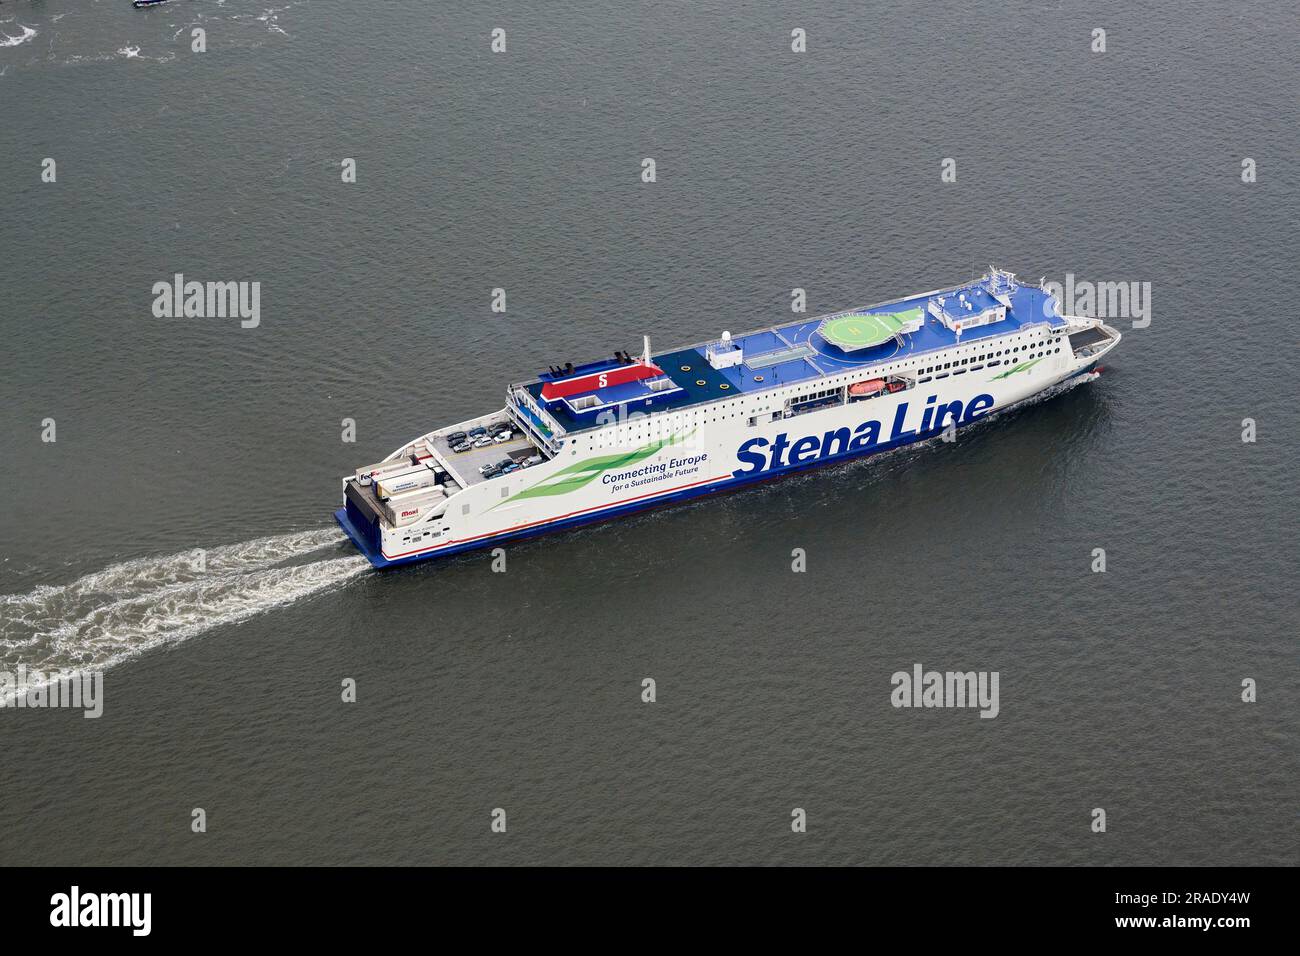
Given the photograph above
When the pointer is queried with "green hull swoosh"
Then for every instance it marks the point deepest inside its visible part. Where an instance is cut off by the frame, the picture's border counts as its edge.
(1022, 367)
(582, 473)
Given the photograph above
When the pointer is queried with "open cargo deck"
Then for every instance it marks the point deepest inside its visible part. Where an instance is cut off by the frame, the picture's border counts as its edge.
(464, 466)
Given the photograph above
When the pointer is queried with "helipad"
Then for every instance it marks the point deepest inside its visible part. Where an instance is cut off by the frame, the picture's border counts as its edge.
(862, 330)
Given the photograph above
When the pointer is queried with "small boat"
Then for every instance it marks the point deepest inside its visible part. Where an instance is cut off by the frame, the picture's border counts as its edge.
(867, 388)
(138, 4)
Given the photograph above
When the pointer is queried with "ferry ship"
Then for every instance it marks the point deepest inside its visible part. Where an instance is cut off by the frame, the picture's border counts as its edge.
(589, 442)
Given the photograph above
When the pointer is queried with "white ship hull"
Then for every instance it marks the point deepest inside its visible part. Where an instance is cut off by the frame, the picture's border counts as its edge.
(637, 462)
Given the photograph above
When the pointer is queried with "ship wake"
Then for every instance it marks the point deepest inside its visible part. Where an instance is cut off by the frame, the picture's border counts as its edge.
(122, 611)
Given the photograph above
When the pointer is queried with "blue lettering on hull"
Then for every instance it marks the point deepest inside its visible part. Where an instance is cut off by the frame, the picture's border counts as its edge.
(759, 455)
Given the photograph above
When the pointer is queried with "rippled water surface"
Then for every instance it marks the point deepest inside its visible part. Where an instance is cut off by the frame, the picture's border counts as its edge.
(178, 531)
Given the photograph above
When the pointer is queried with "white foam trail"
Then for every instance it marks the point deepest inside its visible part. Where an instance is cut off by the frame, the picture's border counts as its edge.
(111, 615)
(23, 37)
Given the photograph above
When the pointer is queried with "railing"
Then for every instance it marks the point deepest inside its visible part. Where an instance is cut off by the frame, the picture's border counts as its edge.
(531, 420)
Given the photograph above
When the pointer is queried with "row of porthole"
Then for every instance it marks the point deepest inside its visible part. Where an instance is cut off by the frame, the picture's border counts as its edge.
(977, 358)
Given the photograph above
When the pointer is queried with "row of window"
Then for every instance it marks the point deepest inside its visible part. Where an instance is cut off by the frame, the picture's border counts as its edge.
(976, 368)
(971, 360)
(813, 396)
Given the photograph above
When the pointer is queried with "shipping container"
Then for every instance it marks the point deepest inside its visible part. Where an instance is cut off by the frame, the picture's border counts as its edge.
(395, 466)
(408, 508)
(400, 484)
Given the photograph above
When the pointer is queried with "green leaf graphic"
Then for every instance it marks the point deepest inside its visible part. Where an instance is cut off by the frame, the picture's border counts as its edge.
(584, 472)
(1023, 366)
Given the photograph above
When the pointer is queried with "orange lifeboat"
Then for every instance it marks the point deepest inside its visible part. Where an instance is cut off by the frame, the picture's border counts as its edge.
(869, 387)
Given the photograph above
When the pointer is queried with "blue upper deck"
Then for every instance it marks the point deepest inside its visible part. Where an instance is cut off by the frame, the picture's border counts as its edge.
(796, 352)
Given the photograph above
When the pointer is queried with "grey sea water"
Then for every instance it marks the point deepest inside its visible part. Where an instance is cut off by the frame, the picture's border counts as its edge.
(522, 690)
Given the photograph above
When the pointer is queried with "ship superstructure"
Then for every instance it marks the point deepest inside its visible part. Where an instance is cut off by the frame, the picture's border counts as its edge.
(588, 442)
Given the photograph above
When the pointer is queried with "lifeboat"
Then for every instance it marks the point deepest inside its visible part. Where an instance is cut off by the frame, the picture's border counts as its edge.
(869, 387)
